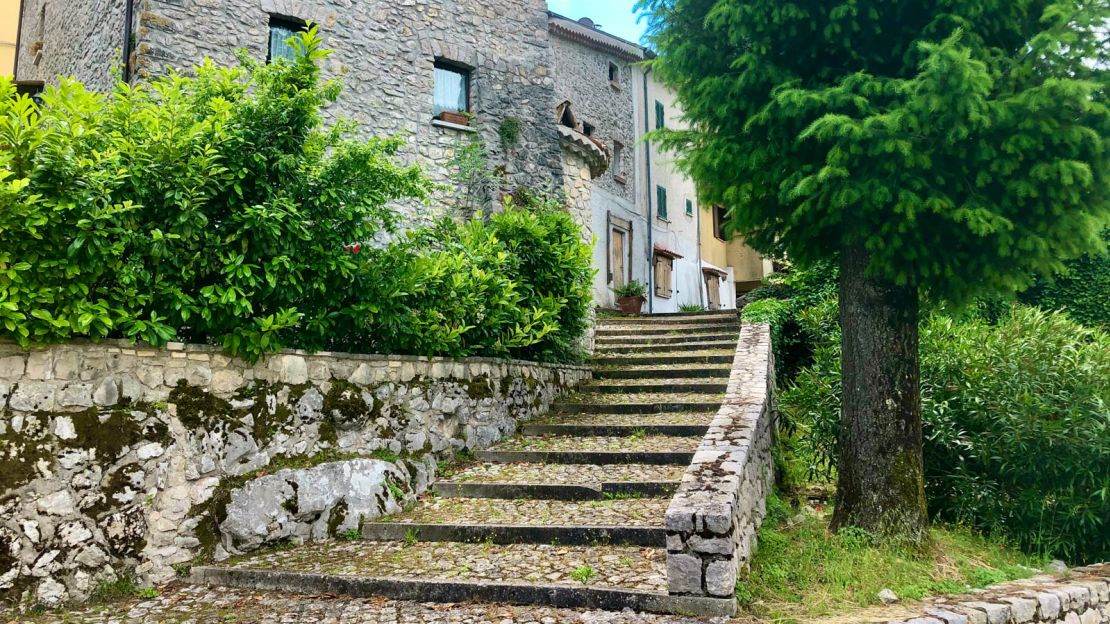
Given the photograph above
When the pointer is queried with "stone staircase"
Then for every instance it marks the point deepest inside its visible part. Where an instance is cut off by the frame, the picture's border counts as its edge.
(568, 513)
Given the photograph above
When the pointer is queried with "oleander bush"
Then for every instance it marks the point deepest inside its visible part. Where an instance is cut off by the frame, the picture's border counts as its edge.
(1017, 425)
(219, 208)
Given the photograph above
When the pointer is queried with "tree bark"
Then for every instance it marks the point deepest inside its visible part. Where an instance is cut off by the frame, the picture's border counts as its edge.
(881, 484)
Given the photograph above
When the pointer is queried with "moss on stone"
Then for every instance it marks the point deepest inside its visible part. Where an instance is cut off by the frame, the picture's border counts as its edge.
(110, 433)
(338, 515)
(200, 409)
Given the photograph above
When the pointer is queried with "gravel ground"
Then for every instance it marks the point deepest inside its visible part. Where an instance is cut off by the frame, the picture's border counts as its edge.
(594, 398)
(187, 604)
(645, 443)
(628, 567)
(630, 512)
(567, 474)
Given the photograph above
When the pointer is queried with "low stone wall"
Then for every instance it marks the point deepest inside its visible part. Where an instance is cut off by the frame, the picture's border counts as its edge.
(117, 459)
(1080, 597)
(718, 508)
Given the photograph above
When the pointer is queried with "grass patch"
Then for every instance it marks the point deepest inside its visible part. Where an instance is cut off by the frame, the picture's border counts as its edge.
(802, 570)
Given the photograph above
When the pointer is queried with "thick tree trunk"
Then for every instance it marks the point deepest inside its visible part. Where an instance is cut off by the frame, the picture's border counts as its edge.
(881, 475)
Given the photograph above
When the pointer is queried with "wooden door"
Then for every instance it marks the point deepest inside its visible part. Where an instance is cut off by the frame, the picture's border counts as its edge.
(616, 258)
(713, 290)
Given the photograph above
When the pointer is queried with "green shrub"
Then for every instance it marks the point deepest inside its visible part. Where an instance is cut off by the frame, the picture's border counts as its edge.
(220, 209)
(1083, 291)
(781, 301)
(210, 209)
(1017, 427)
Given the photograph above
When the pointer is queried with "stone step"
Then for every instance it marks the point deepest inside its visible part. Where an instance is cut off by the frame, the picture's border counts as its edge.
(665, 348)
(657, 385)
(680, 458)
(639, 403)
(677, 337)
(605, 429)
(581, 577)
(612, 331)
(676, 317)
(628, 420)
(719, 356)
(620, 520)
(450, 489)
(674, 371)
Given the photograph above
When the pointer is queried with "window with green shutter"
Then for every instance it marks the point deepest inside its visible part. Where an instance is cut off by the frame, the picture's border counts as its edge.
(661, 202)
(660, 115)
(689, 208)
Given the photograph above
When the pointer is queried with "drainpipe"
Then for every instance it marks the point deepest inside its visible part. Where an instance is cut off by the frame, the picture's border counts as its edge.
(700, 275)
(18, 40)
(650, 208)
(128, 17)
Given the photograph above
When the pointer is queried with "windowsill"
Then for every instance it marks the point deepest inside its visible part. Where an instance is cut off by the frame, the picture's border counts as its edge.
(439, 123)
(689, 215)
(616, 85)
(619, 179)
(663, 219)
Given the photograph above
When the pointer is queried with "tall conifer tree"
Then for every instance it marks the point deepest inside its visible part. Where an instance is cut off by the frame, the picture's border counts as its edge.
(938, 149)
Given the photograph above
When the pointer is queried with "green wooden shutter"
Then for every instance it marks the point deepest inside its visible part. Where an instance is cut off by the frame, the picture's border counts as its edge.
(661, 202)
(660, 115)
(689, 208)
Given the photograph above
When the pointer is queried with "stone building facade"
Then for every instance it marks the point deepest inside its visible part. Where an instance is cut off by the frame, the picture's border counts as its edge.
(386, 53)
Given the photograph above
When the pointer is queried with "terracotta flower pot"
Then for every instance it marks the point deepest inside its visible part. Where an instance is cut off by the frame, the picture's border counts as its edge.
(459, 119)
(631, 305)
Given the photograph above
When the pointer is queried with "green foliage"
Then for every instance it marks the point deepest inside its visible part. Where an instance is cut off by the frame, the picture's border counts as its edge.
(509, 131)
(517, 285)
(963, 144)
(219, 209)
(782, 302)
(1083, 290)
(633, 288)
(802, 571)
(691, 307)
(472, 176)
(207, 209)
(1017, 427)
(584, 574)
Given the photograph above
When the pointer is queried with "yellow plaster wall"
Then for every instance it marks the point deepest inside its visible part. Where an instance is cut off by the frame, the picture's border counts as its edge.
(9, 26)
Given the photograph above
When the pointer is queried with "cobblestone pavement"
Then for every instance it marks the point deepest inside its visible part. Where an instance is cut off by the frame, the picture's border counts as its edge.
(628, 567)
(629, 512)
(572, 474)
(630, 420)
(184, 604)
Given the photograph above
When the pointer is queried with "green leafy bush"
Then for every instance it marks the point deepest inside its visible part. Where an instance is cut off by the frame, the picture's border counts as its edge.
(1017, 426)
(781, 301)
(210, 209)
(1083, 291)
(218, 208)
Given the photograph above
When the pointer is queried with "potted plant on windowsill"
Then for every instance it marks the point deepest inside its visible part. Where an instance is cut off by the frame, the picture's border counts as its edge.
(630, 297)
(459, 118)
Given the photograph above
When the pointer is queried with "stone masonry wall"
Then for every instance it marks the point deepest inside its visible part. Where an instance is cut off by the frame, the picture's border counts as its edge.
(1082, 596)
(384, 51)
(714, 516)
(117, 458)
(582, 77)
(80, 38)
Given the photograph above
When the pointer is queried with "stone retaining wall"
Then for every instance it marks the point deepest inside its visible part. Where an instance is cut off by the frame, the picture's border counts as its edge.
(718, 508)
(116, 458)
(1080, 597)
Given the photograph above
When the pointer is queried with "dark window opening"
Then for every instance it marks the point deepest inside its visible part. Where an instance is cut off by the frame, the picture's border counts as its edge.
(689, 208)
(614, 74)
(282, 29)
(452, 88)
(660, 115)
(720, 220)
(587, 129)
(30, 88)
(618, 159)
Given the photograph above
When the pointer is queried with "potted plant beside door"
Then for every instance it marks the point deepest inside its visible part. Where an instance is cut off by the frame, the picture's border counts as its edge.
(630, 297)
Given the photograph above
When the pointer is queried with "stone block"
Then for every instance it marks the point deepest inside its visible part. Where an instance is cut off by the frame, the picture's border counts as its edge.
(106, 393)
(40, 365)
(946, 616)
(1021, 609)
(34, 396)
(12, 367)
(720, 578)
(76, 395)
(1048, 605)
(996, 613)
(226, 382)
(684, 574)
